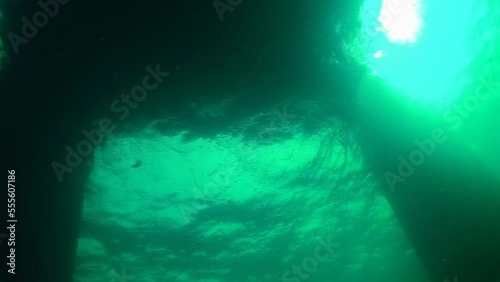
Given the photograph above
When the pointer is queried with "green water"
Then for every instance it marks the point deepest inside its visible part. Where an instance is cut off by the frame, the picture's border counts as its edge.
(286, 194)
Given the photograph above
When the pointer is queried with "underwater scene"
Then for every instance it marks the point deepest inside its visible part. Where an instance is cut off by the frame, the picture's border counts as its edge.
(251, 141)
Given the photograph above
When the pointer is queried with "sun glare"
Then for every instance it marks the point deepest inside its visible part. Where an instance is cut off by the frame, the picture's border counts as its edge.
(400, 20)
